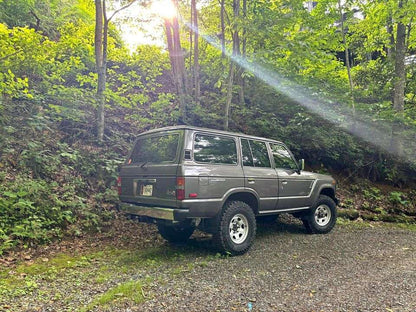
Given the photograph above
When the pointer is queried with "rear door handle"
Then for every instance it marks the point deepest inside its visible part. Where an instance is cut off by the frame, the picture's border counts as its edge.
(284, 182)
(251, 180)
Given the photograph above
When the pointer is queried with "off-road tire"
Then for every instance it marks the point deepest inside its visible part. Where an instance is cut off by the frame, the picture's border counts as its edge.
(175, 233)
(236, 228)
(322, 216)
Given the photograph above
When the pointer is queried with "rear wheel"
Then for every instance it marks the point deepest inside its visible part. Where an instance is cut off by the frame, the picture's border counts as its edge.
(178, 233)
(236, 228)
(322, 217)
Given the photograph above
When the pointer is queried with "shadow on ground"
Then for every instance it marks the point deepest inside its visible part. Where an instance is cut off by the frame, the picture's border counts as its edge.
(201, 244)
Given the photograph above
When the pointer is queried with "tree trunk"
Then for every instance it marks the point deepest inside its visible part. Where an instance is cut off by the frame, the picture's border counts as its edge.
(236, 35)
(236, 52)
(390, 29)
(399, 85)
(244, 43)
(100, 45)
(347, 63)
(222, 28)
(229, 95)
(177, 64)
(99, 63)
(196, 82)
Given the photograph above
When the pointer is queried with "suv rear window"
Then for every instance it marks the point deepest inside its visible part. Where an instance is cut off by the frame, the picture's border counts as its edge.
(155, 149)
(215, 149)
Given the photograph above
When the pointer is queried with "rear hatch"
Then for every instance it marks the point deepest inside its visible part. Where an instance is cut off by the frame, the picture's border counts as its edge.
(148, 176)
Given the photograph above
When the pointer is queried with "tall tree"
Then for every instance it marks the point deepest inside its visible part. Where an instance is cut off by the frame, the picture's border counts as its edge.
(222, 13)
(236, 53)
(177, 60)
(400, 80)
(100, 44)
(347, 56)
(195, 71)
(243, 52)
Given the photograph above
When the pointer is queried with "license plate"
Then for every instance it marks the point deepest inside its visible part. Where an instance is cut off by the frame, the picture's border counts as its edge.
(146, 190)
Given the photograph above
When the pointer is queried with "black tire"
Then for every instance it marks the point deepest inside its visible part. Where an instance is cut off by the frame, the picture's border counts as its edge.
(178, 233)
(236, 228)
(322, 217)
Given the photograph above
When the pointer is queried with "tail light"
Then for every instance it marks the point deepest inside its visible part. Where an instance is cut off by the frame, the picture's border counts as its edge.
(119, 185)
(180, 188)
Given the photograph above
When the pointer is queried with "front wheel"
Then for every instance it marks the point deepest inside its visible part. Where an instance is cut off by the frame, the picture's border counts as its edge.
(236, 228)
(178, 233)
(322, 217)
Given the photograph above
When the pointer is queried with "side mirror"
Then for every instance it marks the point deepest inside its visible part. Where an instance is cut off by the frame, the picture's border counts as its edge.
(301, 164)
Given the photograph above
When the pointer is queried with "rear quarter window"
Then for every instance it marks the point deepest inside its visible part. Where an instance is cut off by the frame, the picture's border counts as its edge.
(215, 149)
(155, 149)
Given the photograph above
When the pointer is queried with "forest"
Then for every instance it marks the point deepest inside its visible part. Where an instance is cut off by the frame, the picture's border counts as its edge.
(333, 79)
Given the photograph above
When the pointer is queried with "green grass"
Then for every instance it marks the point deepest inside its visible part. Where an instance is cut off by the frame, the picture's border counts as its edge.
(366, 224)
(42, 278)
(24, 278)
(129, 291)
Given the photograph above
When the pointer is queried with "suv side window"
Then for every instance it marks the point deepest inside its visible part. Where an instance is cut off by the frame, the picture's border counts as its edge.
(282, 157)
(215, 149)
(247, 156)
(255, 153)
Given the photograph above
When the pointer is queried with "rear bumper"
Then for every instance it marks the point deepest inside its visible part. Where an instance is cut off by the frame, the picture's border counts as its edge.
(155, 212)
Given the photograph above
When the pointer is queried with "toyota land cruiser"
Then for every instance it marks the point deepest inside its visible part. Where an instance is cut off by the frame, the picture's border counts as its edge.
(186, 177)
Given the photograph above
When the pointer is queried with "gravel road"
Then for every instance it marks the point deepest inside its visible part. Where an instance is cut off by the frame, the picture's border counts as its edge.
(349, 269)
(354, 268)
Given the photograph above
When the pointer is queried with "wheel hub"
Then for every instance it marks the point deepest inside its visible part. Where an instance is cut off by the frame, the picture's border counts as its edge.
(238, 228)
(323, 215)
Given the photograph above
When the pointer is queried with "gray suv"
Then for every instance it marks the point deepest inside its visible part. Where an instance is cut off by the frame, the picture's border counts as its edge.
(184, 177)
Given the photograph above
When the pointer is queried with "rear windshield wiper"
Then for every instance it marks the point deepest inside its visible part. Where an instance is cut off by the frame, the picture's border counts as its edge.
(144, 164)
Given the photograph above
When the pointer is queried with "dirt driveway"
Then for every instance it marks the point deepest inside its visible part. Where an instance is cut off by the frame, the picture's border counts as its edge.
(354, 268)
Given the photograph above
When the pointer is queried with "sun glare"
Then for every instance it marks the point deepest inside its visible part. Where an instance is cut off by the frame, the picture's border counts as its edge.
(164, 8)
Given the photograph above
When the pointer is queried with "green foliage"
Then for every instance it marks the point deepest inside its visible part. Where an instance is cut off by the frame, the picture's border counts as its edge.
(55, 180)
(372, 194)
(33, 210)
(398, 198)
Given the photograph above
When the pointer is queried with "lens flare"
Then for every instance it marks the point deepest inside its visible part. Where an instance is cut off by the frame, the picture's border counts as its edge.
(372, 132)
(164, 8)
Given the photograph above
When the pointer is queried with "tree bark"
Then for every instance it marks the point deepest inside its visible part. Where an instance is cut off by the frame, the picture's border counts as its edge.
(399, 85)
(390, 29)
(236, 52)
(229, 95)
(100, 65)
(100, 45)
(347, 61)
(222, 28)
(177, 61)
(196, 82)
(243, 52)
(236, 35)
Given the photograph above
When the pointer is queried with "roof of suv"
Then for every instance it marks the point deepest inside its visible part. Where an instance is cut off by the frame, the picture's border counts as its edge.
(183, 127)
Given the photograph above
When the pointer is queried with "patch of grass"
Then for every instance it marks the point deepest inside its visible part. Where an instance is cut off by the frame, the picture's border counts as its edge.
(60, 262)
(129, 291)
(366, 224)
(350, 214)
(98, 268)
(23, 278)
(405, 226)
